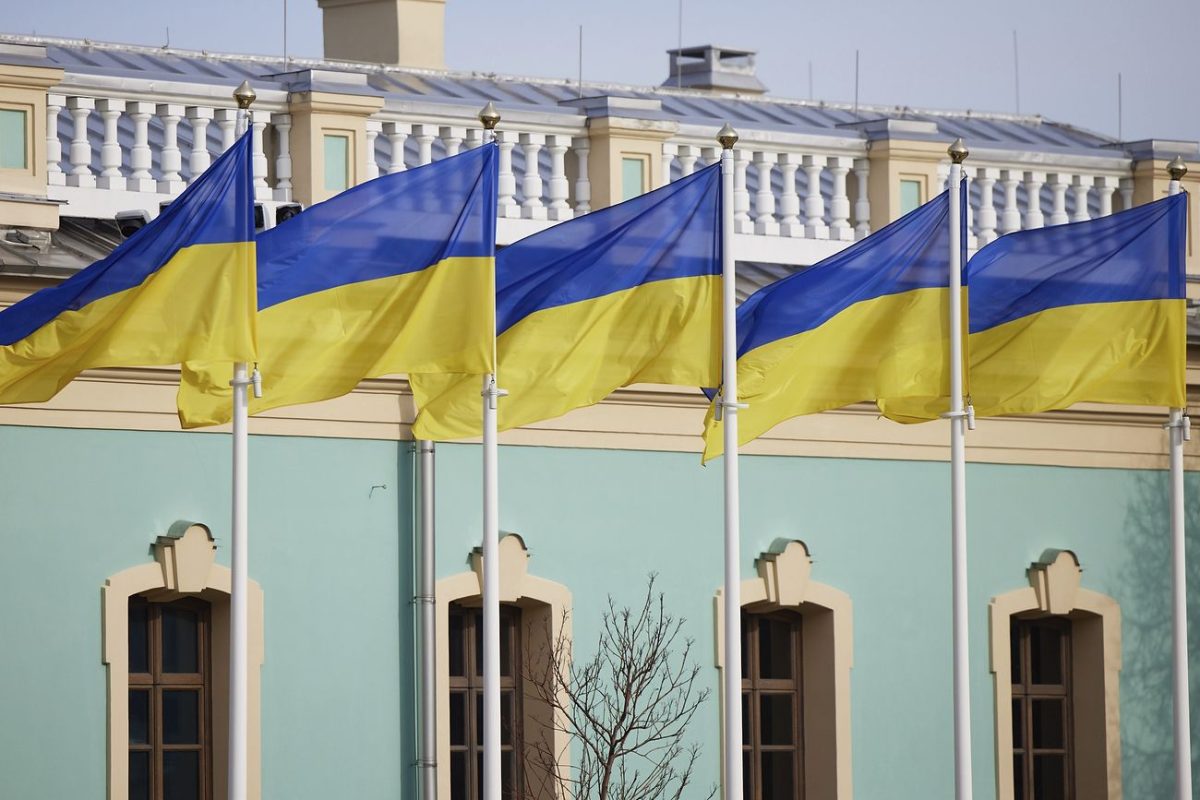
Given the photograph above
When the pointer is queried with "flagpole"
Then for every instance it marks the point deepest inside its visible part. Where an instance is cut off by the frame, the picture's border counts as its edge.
(239, 548)
(729, 410)
(489, 117)
(958, 490)
(1179, 428)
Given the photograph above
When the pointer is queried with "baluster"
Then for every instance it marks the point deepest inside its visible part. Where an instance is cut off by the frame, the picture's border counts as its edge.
(1106, 185)
(397, 133)
(839, 202)
(474, 138)
(139, 179)
(583, 185)
(1080, 187)
(81, 148)
(1126, 189)
(282, 123)
(531, 181)
(789, 200)
(669, 153)
(1058, 198)
(972, 239)
(985, 220)
(170, 158)
(54, 173)
(424, 134)
(110, 147)
(862, 203)
(687, 159)
(943, 178)
(372, 129)
(741, 195)
(199, 159)
(814, 203)
(506, 182)
(1010, 218)
(764, 199)
(258, 123)
(1033, 200)
(227, 124)
(452, 139)
(557, 188)
(709, 155)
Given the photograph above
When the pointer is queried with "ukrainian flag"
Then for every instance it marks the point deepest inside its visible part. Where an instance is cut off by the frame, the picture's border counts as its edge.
(1091, 311)
(394, 275)
(628, 294)
(870, 323)
(180, 289)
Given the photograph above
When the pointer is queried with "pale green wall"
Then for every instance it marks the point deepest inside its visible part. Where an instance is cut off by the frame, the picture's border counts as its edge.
(599, 520)
(80, 505)
(333, 559)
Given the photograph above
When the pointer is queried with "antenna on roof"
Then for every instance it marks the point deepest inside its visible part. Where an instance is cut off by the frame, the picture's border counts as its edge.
(679, 72)
(856, 83)
(285, 50)
(168, 44)
(580, 62)
(1016, 72)
(1120, 112)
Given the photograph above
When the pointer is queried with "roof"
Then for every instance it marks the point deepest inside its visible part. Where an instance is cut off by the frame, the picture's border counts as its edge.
(980, 129)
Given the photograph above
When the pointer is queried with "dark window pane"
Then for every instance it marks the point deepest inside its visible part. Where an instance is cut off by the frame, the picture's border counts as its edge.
(1018, 720)
(139, 775)
(749, 625)
(180, 716)
(139, 716)
(747, 776)
(180, 644)
(1047, 723)
(776, 720)
(1018, 778)
(746, 720)
(181, 775)
(1045, 654)
(477, 699)
(477, 624)
(479, 775)
(139, 637)
(507, 700)
(457, 645)
(1049, 778)
(774, 649)
(778, 780)
(506, 775)
(458, 718)
(507, 631)
(459, 778)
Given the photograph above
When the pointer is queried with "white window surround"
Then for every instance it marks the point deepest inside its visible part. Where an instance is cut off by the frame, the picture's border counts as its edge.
(1095, 619)
(183, 566)
(827, 647)
(545, 607)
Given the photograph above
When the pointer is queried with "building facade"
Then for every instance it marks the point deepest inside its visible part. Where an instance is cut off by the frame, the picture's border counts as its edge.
(114, 580)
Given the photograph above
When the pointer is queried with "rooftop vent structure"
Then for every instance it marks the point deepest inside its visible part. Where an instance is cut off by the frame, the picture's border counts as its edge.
(722, 69)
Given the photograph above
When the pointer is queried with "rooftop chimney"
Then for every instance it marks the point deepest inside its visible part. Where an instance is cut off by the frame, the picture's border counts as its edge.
(406, 33)
(716, 68)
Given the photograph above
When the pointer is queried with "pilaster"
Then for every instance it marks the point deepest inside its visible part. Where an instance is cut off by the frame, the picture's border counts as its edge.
(315, 115)
(23, 89)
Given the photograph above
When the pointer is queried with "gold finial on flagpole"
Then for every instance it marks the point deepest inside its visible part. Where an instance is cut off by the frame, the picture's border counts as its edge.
(1177, 168)
(489, 116)
(958, 151)
(244, 95)
(727, 136)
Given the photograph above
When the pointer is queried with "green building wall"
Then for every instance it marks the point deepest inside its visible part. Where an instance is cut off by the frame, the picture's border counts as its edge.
(331, 546)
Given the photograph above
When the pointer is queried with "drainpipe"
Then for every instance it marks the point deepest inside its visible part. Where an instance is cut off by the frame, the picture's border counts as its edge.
(427, 761)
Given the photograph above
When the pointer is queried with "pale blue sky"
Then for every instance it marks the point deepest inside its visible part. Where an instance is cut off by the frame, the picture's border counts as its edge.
(925, 53)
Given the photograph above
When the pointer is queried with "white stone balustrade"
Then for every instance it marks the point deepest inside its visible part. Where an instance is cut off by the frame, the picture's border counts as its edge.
(1034, 181)
(741, 194)
(199, 159)
(814, 201)
(1058, 198)
(506, 182)
(110, 150)
(171, 159)
(687, 159)
(282, 123)
(764, 199)
(862, 201)
(583, 184)
(397, 135)
(1080, 187)
(839, 203)
(371, 131)
(81, 149)
(54, 173)
(557, 189)
(789, 199)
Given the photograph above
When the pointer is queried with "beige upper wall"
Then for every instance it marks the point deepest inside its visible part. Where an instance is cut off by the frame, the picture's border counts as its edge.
(408, 33)
(315, 115)
(1150, 183)
(893, 160)
(23, 88)
(611, 139)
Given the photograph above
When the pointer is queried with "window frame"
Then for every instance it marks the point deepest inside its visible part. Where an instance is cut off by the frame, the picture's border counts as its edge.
(754, 687)
(1025, 693)
(643, 160)
(27, 128)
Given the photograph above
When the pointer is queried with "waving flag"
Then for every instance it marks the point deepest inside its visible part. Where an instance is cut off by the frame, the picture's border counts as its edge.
(394, 275)
(624, 295)
(869, 323)
(180, 289)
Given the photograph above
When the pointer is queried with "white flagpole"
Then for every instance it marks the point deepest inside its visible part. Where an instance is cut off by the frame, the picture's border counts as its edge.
(729, 409)
(1179, 428)
(491, 553)
(239, 669)
(958, 491)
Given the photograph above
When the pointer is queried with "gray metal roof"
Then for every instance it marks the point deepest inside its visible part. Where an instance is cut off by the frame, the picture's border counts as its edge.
(994, 130)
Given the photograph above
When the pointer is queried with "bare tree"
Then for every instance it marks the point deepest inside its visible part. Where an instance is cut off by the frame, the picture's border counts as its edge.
(626, 709)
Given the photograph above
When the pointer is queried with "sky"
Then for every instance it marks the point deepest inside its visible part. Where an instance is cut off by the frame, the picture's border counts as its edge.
(919, 53)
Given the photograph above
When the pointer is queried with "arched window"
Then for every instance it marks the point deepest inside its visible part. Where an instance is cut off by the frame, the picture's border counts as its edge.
(1056, 662)
(796, 659)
